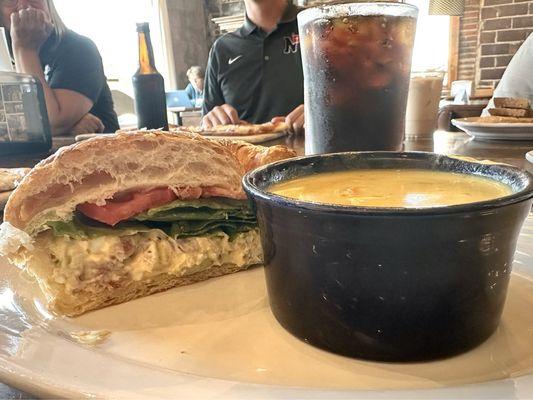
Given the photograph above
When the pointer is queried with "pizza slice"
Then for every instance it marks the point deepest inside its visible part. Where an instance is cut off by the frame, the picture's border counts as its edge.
(9, 179)
(239, 130)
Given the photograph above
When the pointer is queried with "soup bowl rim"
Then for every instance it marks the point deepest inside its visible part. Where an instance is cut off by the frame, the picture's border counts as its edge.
(254, 191)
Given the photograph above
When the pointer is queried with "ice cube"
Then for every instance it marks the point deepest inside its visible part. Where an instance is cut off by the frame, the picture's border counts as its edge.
(323, 27)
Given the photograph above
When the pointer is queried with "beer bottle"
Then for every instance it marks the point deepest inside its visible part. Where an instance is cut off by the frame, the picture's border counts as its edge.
(149, 86)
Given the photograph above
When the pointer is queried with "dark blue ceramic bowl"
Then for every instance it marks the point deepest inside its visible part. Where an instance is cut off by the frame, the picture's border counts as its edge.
(388, 284)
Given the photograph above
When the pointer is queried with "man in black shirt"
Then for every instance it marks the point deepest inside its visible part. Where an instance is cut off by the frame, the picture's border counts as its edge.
(255, 73)
(68, 65)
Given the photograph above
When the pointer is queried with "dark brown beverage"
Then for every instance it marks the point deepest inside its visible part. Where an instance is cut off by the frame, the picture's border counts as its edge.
(149, 86)
(357, 70)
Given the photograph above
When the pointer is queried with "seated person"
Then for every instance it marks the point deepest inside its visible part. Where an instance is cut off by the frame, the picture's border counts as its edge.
(255, 73)
(68, 65)
(517, 80)
(195, 89)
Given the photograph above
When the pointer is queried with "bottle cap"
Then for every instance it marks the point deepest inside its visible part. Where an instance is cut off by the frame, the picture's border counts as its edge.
(143, 27)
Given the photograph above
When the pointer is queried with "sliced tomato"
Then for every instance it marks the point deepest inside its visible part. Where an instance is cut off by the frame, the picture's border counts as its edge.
(125, 206)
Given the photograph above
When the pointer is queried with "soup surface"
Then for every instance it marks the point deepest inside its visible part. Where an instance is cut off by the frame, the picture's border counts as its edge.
(392, 188)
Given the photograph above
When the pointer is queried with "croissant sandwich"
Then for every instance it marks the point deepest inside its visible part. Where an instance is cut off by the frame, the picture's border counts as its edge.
(119, 217)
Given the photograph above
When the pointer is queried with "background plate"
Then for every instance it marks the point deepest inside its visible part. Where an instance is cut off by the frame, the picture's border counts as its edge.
(529, 156)
(495, 131)
(218, 339)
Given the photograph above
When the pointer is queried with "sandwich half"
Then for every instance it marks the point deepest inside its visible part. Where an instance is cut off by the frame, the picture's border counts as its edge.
(119, 217)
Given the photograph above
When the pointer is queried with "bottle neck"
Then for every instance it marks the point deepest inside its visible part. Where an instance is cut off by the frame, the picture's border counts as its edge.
(146, 54)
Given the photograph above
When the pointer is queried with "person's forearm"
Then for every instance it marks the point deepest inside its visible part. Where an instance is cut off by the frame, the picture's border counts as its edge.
(28, 62)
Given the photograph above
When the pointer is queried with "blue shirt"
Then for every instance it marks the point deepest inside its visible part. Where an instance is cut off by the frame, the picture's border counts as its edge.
(194, 94)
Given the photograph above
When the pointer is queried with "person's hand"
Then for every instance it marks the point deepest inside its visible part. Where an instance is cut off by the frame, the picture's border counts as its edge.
(295, 120)
(221, 115)
(30, 28)
(89, 123)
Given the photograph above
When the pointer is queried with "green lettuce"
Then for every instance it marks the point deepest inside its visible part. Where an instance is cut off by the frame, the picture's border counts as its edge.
(78, 228)
(199, 210)
(197, 228)
(177, 219)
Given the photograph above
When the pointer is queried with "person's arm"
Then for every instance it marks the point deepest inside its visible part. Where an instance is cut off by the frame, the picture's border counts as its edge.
(89, 123)
(295, 119)
(213, 95)
(29, 30)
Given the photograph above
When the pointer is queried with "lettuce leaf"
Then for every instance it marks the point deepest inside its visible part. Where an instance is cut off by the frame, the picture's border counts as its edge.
(177, 219)
(197, 228)
(77, 228)
(199, 210)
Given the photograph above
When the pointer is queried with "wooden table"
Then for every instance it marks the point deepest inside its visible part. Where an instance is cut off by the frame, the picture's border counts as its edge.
(442, 142)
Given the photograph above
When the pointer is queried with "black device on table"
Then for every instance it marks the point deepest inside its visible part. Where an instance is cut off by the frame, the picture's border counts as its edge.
(24, 125)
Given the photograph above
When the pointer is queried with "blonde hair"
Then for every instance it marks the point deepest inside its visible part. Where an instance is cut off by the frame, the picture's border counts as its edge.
(195, 72)
(59, 26)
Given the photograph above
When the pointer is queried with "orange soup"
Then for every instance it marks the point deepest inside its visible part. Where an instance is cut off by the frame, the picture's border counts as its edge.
(392, 188)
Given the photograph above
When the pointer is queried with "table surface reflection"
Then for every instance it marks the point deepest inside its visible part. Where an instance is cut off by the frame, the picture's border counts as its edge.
(457, 143)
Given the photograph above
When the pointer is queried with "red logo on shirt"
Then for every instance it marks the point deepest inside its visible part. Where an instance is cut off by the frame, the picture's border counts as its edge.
(292, 43)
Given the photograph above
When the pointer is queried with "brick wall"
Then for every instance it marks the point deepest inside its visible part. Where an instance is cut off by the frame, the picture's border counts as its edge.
(487, 44)
(505, 24)
(469, 40)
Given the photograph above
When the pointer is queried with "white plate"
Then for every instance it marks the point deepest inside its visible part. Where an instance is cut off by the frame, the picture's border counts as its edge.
(529, 156)
(218, 339)
(494, 131)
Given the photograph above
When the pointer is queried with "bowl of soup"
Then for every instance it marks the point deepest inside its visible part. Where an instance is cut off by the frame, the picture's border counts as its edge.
(389, 256)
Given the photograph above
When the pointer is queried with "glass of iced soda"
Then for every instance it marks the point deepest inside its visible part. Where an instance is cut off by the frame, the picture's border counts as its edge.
(357, 62)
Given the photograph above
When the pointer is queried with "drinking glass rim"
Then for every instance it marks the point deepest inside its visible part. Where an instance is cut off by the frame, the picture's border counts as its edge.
(387, 9)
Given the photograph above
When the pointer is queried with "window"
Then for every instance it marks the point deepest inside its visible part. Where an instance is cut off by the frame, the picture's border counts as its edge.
(111, 25)
(431, 49)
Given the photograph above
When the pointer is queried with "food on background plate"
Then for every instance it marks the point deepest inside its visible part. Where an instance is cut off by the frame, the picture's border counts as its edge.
(118, 217)
(9, 177)
(508, 112)
(491, 119)
(392, 188)
(238, 130)
(511, 107)
(510, 102)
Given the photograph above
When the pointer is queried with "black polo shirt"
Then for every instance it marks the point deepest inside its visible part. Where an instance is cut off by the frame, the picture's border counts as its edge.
(74, 63)
(258, 73)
